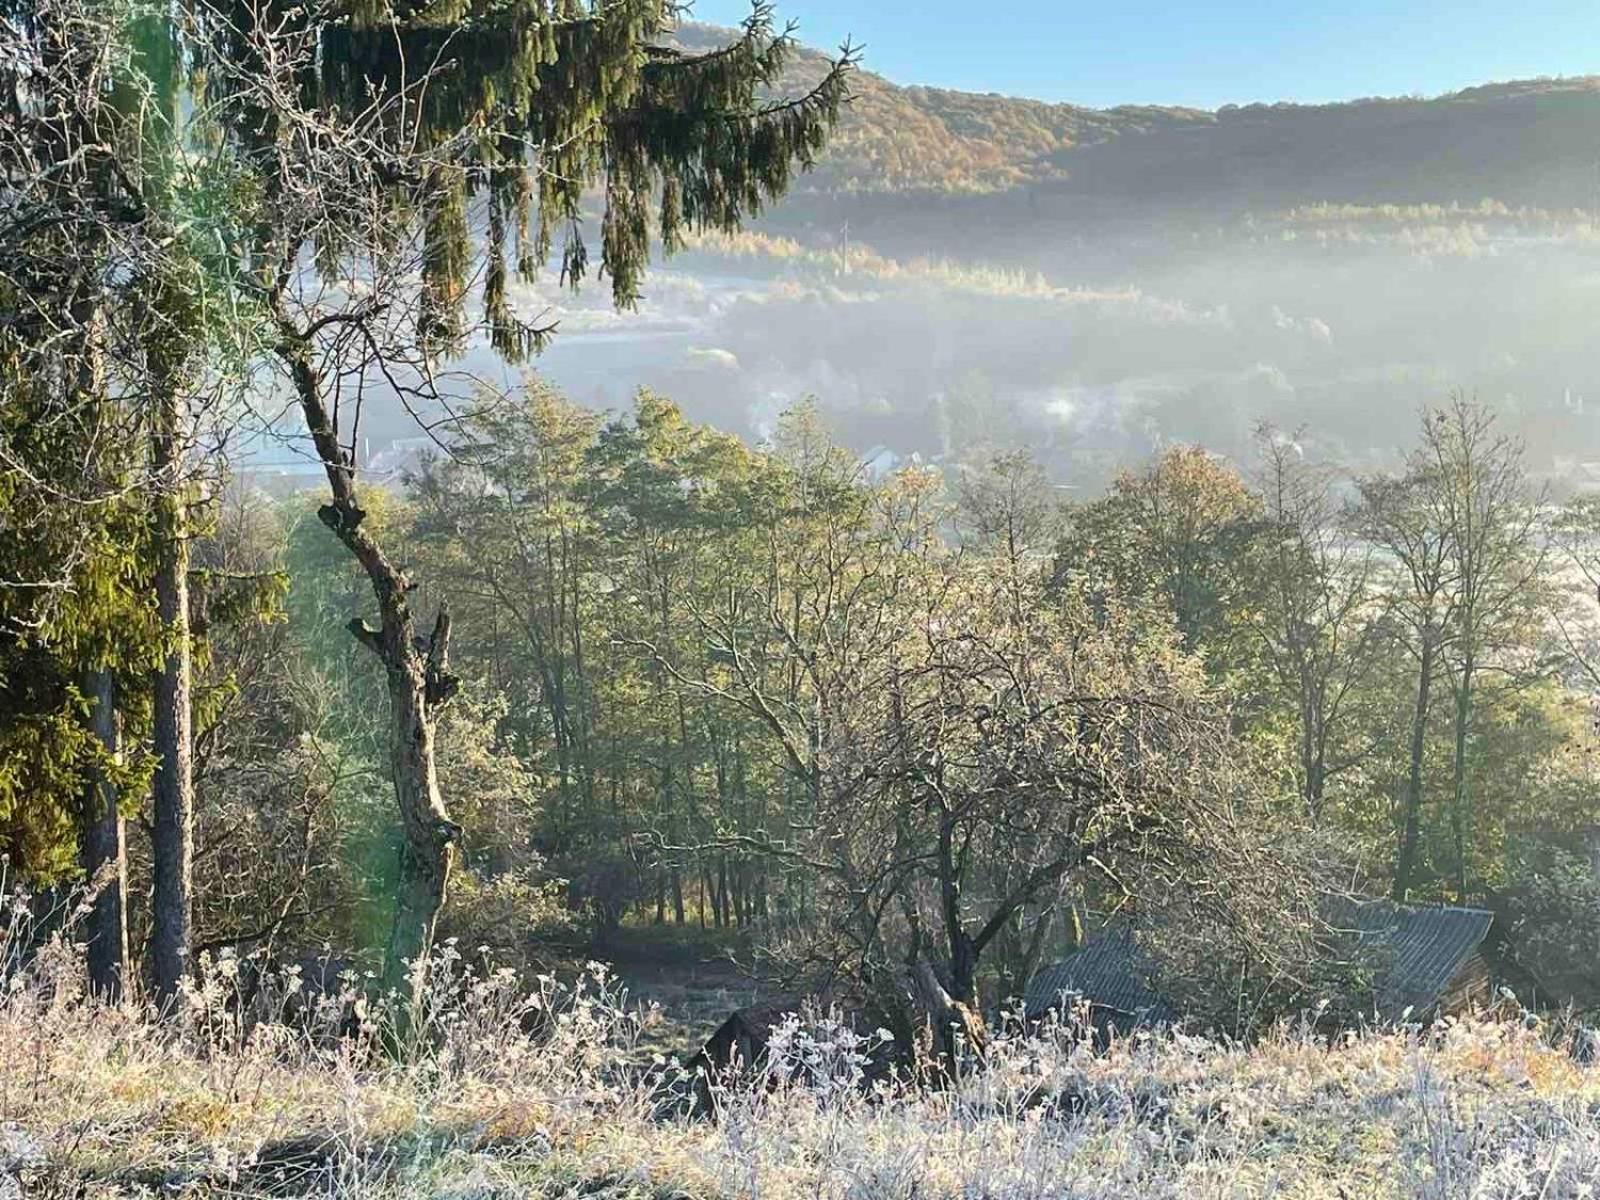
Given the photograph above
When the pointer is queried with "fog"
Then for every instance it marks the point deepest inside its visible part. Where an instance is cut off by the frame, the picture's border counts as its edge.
(1339, 328)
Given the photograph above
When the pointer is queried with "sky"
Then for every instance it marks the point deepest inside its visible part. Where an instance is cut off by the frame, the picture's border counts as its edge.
(1200, 54)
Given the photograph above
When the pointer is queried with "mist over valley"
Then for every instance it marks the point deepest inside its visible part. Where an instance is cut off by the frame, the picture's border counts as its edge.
(962, 274)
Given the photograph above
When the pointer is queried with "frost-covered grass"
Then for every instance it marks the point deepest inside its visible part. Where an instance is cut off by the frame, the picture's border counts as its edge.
(509, 1093)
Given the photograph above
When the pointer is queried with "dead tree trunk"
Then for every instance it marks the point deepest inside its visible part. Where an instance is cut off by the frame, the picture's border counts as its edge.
(102, 854)
(420, 684)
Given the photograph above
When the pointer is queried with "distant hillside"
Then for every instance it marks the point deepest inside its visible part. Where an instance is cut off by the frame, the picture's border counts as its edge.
(1525, 144)
(920, 138)
(1529, 143)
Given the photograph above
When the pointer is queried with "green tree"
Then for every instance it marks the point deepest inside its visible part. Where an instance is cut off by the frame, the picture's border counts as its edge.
(666, 491)
(508, 532)
(115, 252)
(1178, 534)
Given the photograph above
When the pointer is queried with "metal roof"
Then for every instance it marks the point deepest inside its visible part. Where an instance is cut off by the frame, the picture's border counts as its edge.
(1417, 952)
(1420, 949)
(1110, 972)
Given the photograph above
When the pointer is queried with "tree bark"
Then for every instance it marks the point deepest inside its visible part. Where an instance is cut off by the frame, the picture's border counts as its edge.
(946, 1029)
(1406, 866)
(173, 788)
(1313, 751)
(420, 684)
(1461, 798)
(963, 954)
(426, 853)
(1019, 954)
(102, 854)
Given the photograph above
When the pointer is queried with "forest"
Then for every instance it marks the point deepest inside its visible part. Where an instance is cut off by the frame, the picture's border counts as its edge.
(355, 834)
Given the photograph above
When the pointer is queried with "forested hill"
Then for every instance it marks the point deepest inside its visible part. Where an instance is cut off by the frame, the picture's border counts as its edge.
(1528, 143)
(899, 139)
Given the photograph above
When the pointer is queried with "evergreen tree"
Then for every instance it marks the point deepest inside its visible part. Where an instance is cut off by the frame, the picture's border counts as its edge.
(78, 638)
(111, 344)
(77, 634)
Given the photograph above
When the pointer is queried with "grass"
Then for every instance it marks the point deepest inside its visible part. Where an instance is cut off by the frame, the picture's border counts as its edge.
(553, 1092)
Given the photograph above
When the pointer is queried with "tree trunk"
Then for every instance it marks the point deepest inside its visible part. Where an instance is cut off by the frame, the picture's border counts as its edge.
(723, 899)
(429, 835)
(173, 789)
(1313, 758)
(102, 854)
(959, 944)
(1018, 955)
(945, 1029)
(733, 897)
(963, 967)
(1316, 785)
(1413, 803)
(420, 684)
(1458, 810)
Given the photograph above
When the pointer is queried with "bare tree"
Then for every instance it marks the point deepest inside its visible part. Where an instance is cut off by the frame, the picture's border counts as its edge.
(1313, 616)
(1498, 554)
(1460, 530)
(1397, 515)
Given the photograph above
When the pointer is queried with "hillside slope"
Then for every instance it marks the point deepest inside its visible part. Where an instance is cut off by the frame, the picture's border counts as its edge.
(897, 139)
(1525, 143)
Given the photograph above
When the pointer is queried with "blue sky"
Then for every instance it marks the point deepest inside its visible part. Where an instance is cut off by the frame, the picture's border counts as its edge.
(1205, 54)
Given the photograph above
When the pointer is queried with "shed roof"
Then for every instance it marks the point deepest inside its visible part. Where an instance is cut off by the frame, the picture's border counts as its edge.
(1110, 971)
(1419, 951)
(1422, 949)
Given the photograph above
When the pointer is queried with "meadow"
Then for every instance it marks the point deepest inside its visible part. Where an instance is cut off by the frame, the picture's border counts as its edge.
(501, 1090)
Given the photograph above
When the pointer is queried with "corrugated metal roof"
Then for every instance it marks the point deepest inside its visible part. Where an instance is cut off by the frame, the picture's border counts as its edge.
(1110, 972)
(1418, 952)
(1420, 949)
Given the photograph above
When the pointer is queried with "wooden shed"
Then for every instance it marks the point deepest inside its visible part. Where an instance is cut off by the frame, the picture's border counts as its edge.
(1110, 974)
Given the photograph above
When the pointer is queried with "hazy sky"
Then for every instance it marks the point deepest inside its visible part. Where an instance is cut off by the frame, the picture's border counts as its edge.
(1204, 54)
